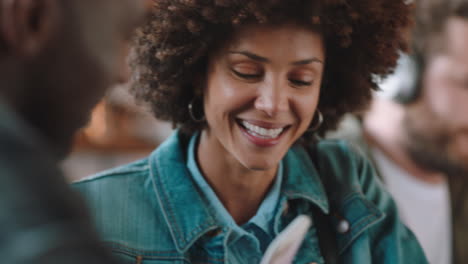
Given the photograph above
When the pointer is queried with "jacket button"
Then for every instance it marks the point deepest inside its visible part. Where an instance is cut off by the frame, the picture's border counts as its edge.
(343, 226)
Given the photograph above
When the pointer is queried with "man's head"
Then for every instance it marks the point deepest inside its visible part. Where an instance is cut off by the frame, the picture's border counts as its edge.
(57, 57)
(436, 121)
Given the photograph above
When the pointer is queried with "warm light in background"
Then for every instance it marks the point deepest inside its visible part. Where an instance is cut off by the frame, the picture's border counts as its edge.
(119, 132)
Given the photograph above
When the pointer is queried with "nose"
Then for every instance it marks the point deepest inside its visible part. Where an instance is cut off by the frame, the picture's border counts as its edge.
(272, 99)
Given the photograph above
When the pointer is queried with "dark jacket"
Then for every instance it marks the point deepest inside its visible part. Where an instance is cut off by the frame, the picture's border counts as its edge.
(42, 221)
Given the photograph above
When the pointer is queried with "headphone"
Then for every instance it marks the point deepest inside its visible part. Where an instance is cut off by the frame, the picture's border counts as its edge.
(407, 78)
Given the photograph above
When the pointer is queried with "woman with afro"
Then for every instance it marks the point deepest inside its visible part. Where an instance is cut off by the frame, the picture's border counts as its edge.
(250, 86)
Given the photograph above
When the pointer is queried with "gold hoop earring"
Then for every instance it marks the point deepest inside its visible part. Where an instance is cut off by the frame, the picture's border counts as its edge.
(191, 111)
(315, 125)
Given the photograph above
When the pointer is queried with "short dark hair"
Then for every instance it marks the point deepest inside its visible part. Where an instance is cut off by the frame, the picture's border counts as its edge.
(362, 42)
(430, 20)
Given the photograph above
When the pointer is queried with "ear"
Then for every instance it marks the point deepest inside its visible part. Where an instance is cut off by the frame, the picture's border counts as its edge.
(27, 25)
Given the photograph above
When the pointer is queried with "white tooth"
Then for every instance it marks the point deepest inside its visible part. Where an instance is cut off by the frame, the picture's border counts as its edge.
(247, 125)
(260, 131)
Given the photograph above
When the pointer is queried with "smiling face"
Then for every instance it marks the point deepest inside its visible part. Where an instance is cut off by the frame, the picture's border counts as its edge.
(261, 93)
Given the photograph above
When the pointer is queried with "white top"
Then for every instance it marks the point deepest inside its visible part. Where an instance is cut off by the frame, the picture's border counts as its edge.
(423, 207)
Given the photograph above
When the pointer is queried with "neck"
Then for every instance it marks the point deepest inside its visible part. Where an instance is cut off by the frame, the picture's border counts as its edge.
(240, 189)
(385, 132)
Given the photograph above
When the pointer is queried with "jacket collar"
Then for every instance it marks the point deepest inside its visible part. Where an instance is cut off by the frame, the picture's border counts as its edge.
(182, 204)
(185, 212)
(303, 180)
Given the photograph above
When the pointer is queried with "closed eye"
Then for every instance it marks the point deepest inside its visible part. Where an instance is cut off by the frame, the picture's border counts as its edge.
(246, 76)
(300, 83)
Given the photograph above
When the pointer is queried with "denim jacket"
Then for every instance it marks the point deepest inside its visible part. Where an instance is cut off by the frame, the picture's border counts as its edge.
(351, 131)
(150, 211)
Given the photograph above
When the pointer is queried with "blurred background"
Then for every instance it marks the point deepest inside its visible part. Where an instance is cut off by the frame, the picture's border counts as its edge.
(120, 131)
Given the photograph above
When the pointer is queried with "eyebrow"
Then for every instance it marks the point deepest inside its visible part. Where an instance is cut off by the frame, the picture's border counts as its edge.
(251, 55)
(307, 61)
(258, 58)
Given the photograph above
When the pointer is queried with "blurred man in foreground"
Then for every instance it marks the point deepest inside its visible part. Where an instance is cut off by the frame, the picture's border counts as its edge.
(419, 142)
(57, 57)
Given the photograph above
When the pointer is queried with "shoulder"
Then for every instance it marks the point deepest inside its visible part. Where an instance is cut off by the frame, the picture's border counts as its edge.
(358, 196)
(135, 181)
(112, 188)
(344, 165)
(135, 169)
(337, 153)
(121, 200)
(169, 152)
(114, 181)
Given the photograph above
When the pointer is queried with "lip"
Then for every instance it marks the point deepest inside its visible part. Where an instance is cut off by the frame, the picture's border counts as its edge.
(260, 141)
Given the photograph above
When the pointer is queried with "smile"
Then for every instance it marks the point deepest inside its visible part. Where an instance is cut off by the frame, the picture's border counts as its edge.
(262, 132)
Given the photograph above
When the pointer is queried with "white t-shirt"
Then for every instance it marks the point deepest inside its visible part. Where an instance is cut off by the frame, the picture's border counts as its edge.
(423, 207)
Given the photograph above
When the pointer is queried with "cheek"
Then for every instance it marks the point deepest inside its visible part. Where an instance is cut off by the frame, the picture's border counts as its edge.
(447, 102)
(225, 96)
(435, 90)
(443, 96)
(305, 107)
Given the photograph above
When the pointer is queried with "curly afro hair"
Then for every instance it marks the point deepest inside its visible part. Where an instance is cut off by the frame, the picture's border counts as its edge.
(362, 41)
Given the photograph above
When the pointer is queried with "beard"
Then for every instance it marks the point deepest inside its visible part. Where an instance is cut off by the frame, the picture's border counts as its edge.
(433, 145)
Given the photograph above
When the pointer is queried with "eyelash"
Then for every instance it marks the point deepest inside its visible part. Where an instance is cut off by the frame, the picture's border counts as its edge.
(246, 76)
(256, 76)
(300, 83)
